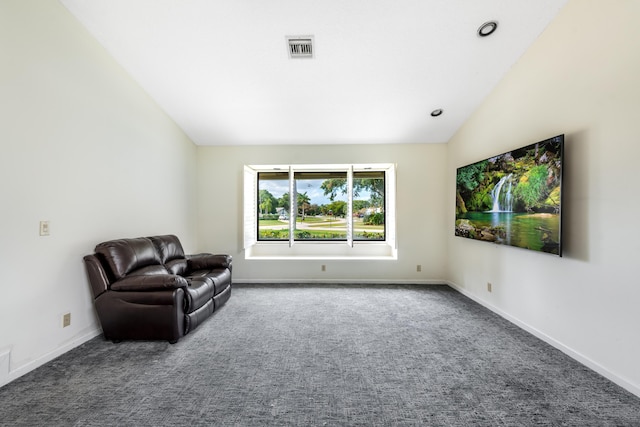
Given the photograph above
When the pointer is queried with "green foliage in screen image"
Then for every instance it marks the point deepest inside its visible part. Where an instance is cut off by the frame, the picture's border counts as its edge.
(480, 201)
(554, 197)
(469, 177)
(531, 188)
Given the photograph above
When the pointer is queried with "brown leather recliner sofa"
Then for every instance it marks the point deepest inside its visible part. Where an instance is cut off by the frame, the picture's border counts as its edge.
(146, 288)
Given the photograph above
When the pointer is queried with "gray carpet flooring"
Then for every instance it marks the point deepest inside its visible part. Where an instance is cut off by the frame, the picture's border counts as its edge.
(325, 355)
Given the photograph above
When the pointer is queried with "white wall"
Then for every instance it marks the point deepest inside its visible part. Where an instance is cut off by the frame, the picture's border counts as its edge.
(420, 211)
(82, 147)
(581, 78)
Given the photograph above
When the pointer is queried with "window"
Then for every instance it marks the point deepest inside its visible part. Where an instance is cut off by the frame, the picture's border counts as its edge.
(329, 205)
(273, 206)
(369, 205)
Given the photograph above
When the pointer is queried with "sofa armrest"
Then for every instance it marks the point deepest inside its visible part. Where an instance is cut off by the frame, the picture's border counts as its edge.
(98, 278)
(152, 282)
(207, 261)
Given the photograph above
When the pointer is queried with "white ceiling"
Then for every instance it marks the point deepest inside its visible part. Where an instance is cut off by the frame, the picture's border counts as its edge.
(221, 70)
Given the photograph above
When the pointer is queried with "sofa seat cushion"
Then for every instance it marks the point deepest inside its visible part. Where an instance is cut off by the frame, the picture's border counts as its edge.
(149, 282)
(150, 270)
(198, 293)
(220, 277)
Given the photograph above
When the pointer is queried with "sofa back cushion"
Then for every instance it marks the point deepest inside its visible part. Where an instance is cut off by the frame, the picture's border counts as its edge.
(177, 266)
(127, 256)
(171, 253)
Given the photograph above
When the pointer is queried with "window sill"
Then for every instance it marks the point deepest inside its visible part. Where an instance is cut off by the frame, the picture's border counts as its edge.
(321, 251)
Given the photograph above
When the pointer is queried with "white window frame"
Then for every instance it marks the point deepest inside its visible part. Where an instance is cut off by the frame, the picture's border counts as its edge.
(309, 249)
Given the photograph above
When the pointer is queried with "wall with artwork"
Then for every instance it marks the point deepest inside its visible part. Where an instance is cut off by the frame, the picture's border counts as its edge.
(579, 80)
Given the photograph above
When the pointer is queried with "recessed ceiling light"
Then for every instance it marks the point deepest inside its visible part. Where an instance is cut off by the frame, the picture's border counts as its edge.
(487, 28)
(437, 112)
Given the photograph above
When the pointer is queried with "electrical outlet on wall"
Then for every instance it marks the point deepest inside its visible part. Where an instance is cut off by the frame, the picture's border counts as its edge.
(66, 320)
(44, 228)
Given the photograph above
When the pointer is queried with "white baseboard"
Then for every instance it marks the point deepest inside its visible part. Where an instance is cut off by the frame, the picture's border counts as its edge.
(633, 388)
(26, 368)
(339, 281)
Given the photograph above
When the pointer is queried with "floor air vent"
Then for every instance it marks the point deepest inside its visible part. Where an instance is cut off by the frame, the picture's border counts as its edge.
(300, 46)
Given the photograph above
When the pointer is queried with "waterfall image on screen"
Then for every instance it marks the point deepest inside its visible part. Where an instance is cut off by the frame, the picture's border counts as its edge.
(514, 198)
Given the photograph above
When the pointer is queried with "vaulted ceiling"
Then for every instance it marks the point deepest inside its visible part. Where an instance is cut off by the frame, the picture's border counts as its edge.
(221, 68)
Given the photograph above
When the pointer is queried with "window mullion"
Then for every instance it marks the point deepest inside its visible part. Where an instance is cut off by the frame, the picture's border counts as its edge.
(350, 230)
(293, 206)
(390, 201)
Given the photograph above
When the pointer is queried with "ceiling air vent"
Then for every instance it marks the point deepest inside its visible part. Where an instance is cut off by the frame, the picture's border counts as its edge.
(300, 46)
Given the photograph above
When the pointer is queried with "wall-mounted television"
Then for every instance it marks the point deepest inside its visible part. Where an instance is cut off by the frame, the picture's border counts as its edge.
(514, 198)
